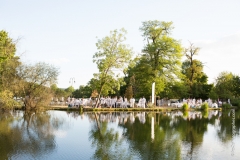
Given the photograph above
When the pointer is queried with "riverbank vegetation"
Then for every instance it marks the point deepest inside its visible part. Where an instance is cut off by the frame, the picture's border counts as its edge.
(120, 72)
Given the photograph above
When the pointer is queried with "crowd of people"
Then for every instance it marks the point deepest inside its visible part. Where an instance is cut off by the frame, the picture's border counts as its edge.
(110, 102)
(196, 103)
(123, 102)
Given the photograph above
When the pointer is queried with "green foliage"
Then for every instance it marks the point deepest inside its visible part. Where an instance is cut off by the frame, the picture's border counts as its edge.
(236, 86)
(194, 77)
(235, 102)
(69, 90)
(59, 92)
(35, 82)
(7, 46)
(175, 90)
(160, 61)
(8, 64)
(204, 106)
(213, 95)
(83, 92)
(112, 55)
(129, 92)
(8, 61)
(7, 101)
(226, 106)
(205, 113)
(227, 86)
(150, 105)
(224, 86)
(161, 52)
(185, 113)
(185, 107)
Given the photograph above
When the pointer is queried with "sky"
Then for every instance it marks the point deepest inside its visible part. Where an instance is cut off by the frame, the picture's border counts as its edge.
(64, 33)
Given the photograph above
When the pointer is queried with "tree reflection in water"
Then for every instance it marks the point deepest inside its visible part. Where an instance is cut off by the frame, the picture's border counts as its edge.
(108, 143)
(27, 134)
(118, 135)
(177, 135)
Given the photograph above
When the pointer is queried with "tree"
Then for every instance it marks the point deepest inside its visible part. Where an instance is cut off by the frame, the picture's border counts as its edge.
(175, 90)
(83, 92)
(162, 52)
(194, 77)
(129, 92)
(236, 86)
(8, 61)
(69, 91)
(7, 46)
(8, 64)
(7, 100)
(35, 82)
(160, 61)
(59, 93)
(224, 85)
(112, 55)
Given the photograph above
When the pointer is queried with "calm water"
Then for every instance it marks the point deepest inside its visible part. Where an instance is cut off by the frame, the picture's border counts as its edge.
(57, 135)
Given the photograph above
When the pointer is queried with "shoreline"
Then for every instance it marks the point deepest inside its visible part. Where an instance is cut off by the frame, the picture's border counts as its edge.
(83, 109)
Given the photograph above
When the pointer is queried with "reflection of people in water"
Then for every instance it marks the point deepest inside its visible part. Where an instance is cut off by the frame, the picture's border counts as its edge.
(82, 116)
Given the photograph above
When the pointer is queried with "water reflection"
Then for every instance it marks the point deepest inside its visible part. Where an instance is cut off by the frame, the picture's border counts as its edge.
(177, 135)
(120, 135)
(27, 134)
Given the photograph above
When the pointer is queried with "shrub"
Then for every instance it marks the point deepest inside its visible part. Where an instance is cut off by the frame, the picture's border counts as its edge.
(150, 105)
(235, 102)
(185, 107)
(226, 106)
(204, 106)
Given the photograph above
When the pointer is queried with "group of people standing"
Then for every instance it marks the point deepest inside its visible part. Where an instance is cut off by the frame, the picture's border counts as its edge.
(142, 102)
(117, 102)
(110, 102)
(77, 102)
(122, 102)
(196, 103)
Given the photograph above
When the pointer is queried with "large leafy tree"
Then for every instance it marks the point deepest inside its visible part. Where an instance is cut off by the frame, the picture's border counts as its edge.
(194, 77)
(35, 83)
(7, 46)
(224, 85)
(8, 64)
(160, 61)
(162, 52)
(112, 56)
(8, 61)
(236, 86)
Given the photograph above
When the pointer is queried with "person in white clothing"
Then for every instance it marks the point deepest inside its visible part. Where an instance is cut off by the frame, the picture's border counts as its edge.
(102, 101)
(119, 102)
(125, 103)
(143, 102)
(132, 101)
(140, 103)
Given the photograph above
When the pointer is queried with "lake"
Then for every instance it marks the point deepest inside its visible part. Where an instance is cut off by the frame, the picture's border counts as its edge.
(72, 135)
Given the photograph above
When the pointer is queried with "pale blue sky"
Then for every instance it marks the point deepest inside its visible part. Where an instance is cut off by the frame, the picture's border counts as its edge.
(63, 33)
